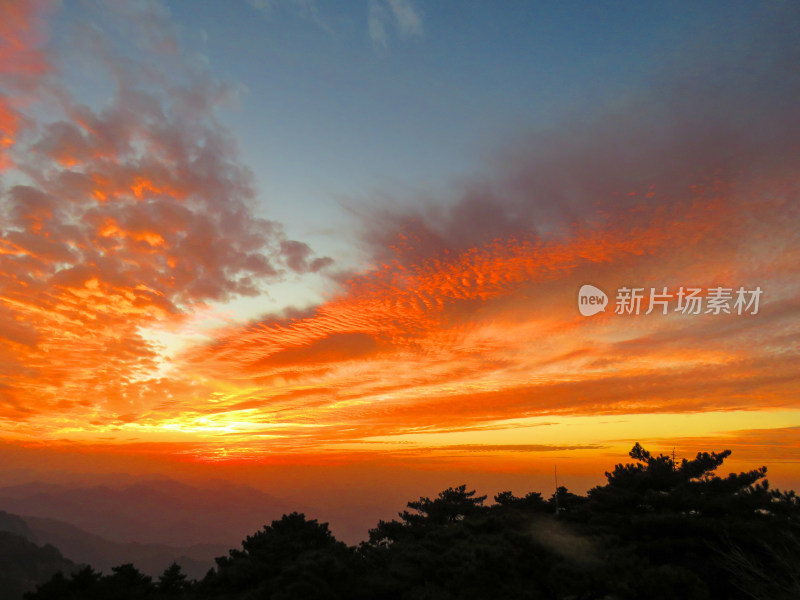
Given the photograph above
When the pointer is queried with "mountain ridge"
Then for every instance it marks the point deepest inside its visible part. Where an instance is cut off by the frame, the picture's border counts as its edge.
(162, 511)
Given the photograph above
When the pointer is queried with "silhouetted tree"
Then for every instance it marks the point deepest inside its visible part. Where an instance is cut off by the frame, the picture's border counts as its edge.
(172, 582)
(292, 558)
(126, 582)
(675, 517)
(453, 504)
(83, 583)
(532, 501)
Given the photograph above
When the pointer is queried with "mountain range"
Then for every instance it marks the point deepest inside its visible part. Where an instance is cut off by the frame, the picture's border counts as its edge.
(149, 523)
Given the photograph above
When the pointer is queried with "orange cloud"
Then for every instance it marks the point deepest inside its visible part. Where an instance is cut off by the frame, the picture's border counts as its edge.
(402, 305)
(124, 216)
(466, 339)
(775, 445)
(21, 62)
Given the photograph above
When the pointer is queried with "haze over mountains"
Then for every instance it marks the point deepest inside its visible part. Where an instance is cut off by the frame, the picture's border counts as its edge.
(149, 523)
(86, 548)
(156, 511)
(154, 522)
(160, 510)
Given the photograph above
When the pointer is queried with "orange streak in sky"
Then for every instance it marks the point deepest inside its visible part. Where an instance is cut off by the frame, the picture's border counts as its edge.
(402, 305)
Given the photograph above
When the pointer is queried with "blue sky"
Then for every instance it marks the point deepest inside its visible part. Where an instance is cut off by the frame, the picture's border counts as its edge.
(326, 114)
(328, 111)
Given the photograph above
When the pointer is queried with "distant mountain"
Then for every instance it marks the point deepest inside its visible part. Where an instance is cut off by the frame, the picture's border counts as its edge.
(24, 565)
(102, 554)
(160, 511)
(86, 548)
(15, 524)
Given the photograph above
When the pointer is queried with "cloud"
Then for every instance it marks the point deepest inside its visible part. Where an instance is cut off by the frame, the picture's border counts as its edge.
(384, 17)
(262, 5)
(721, 113)
(118, 216)
(409, 23)
(505, 448)
(297, 255)
(492, 334)
(468, 316)
(305, 9)
(773, 445)
(21, 63)
(138, 212)
(399, 14)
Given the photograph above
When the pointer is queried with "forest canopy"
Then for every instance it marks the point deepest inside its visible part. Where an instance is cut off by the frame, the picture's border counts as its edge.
(658, 528)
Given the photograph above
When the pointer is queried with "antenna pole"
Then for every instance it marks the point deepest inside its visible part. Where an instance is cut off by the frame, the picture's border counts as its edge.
(555, 467)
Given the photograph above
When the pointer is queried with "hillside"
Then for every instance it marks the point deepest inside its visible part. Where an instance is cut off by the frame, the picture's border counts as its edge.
(86, 548)
(24, 565)
(156, 512)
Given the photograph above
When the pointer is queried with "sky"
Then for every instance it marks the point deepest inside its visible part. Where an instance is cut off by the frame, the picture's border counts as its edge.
(280, 239)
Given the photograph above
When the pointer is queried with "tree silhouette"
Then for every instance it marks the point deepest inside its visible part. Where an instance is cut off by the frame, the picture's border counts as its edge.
(658, 484)
(680, 520)
(83, 583)
(453, 504)
(126, 582)
(172, 582)
(292, 558)
(657, 529)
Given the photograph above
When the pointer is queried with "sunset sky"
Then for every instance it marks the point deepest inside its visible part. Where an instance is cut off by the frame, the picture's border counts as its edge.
(297, 235)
